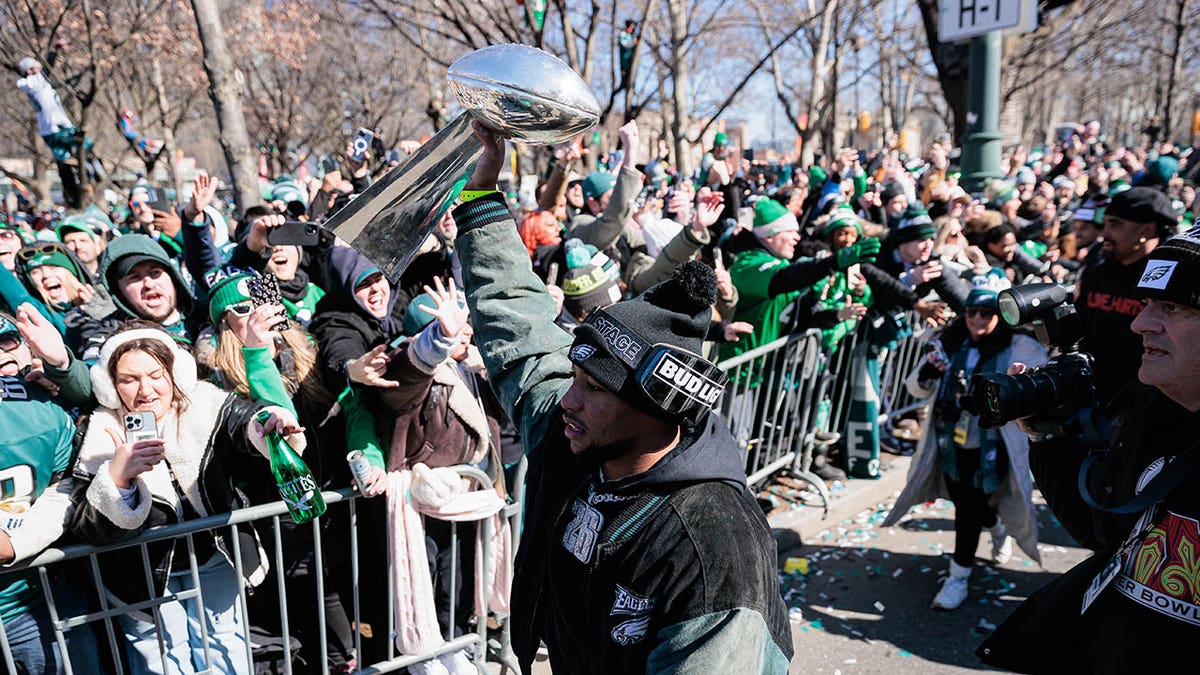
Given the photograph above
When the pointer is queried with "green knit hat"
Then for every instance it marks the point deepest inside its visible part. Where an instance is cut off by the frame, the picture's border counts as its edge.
(46, 255)
(771, 218)
(841, 217)
(227, 292)
(915, 225)
(720, 140)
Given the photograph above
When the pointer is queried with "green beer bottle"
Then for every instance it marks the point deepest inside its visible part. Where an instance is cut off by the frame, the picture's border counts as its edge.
(296, 484)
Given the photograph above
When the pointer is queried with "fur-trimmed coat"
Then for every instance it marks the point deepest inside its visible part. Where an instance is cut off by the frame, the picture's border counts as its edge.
(434, 416)
(1013, 500)
(214, 425)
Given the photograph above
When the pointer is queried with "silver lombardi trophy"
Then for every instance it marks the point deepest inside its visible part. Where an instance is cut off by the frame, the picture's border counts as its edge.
(517, 91)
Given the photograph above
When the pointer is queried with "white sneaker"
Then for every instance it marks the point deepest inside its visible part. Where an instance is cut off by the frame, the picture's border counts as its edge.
(953, 593)
(1002, 544)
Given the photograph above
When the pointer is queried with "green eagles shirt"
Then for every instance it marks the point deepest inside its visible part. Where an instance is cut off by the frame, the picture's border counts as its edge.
(36, 452)
(302, 312)
(833, 293)
(751, 273)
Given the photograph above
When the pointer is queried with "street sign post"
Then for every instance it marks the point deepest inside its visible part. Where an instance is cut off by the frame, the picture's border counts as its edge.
(982, 21)
(962, 19)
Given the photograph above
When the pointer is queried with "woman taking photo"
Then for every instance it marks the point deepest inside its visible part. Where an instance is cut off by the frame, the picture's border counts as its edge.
(179, 473)
(251, 354)
(985, 472)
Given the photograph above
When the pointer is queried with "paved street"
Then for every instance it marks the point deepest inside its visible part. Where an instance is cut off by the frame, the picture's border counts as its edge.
(865, 599)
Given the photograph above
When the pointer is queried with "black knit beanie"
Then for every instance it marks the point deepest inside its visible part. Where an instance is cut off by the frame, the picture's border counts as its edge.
(1173, 270)
(614, 340)
(1144, 205)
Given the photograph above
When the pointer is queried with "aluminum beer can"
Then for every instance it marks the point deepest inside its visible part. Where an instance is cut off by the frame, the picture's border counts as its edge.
(12, 514)
(360, 468)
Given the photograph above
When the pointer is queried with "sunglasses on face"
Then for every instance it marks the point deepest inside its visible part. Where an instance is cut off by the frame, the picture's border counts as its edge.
(241, 309)
(985, 312)
(29, 253)
(138, 204)
(9, 342)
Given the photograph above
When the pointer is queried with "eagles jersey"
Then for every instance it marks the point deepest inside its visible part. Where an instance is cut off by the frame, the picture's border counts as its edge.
(36, 452)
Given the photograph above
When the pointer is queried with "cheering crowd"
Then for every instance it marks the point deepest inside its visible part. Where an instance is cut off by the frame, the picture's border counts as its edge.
(205, 318)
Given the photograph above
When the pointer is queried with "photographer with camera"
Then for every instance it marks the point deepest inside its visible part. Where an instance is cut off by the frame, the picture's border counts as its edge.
(983, 470)
(1134, 223)
(1135, 605)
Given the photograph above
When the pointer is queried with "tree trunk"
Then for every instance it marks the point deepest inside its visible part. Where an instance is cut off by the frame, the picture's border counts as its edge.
(677, 11)
(1179, 28)
(41, 177)
(811, 134)
(630, 113)
(225, 91)
(164, 111)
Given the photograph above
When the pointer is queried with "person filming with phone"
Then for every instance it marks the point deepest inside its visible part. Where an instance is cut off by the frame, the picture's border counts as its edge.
(1134, 606)
(159, 449)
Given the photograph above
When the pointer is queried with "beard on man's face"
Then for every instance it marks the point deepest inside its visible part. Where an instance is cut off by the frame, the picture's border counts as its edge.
(599, 454)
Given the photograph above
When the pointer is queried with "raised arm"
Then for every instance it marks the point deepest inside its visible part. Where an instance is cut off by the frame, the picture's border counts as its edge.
(513, 314)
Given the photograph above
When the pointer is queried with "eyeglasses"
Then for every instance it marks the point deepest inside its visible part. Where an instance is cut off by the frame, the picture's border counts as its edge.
(31, 252)
(984, 312)
(241, 309)
(9, 342)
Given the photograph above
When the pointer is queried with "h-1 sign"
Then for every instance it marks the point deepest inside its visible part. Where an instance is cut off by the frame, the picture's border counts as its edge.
(961, 19)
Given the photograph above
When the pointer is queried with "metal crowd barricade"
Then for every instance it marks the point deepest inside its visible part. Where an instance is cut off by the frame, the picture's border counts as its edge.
(477, 643)
(768, 406)
(775, 391)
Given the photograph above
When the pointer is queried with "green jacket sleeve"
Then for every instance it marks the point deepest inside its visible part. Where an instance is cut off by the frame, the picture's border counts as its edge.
(266, 384)
(860, 184)
(74, 382)
(513, 315)
(13, 292)
(679, 250)
(735, 641)
(360, 427)
(604, 231)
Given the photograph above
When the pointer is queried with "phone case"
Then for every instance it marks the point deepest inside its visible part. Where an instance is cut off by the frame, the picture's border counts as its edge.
(140, 426)
(264, 290)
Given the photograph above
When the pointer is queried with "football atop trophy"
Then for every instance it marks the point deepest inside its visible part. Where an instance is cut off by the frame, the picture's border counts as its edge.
(523, 93)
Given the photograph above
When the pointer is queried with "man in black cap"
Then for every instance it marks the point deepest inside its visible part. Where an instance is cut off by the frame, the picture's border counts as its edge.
(643, 551)
(1135, 605)
(1107, 301)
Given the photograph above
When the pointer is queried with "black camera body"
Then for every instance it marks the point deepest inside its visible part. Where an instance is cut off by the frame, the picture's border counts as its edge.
(1060, 389)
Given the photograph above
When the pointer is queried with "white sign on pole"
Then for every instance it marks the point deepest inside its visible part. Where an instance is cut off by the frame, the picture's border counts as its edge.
(962, 19)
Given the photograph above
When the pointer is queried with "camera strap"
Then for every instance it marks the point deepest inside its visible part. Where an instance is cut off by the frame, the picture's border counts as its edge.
(1155, 491)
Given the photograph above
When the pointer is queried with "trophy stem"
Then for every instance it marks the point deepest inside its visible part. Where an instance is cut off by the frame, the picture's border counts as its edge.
(390, 220)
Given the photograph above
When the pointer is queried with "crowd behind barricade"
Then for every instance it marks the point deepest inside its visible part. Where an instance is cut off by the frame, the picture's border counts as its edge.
(207, 319)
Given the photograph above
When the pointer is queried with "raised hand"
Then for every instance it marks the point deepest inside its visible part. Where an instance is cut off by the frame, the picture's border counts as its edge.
(630, 142)
(258, 326)
(368, 369)
(708, 211)
(861, 251)
(451, 315)
(487, 169)
(256, 239)
(44, 340)
(204, 189)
